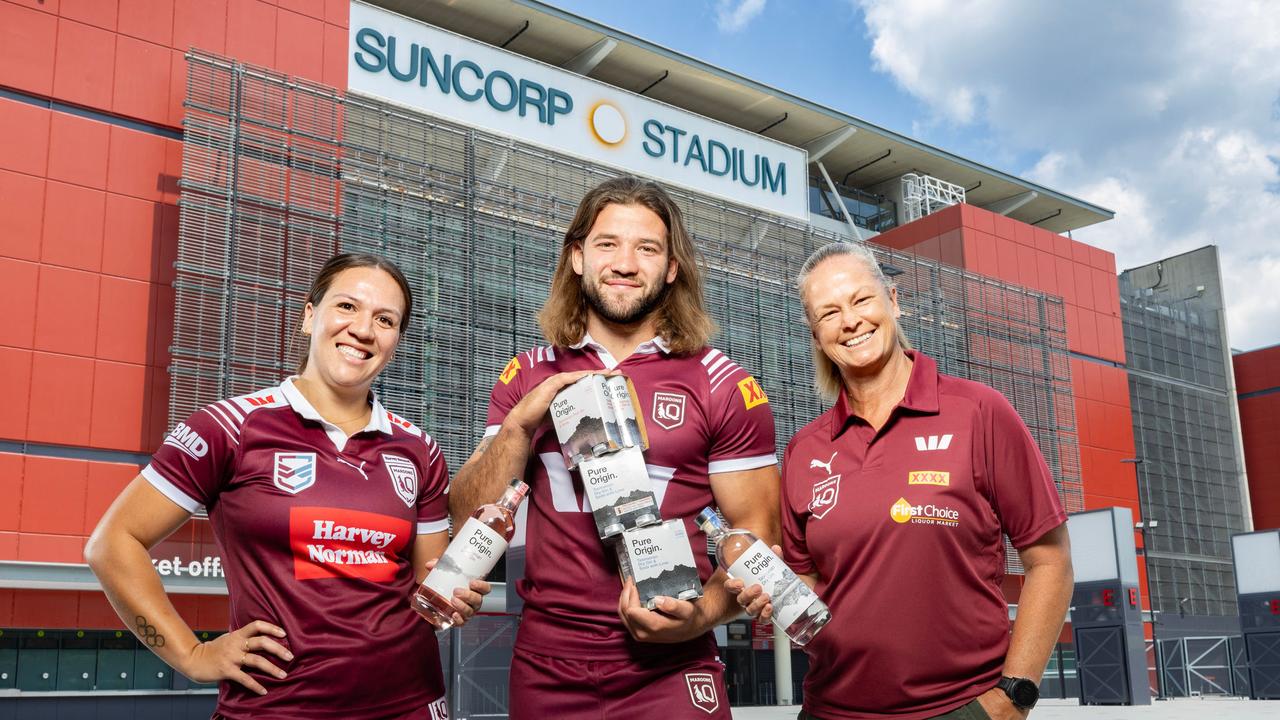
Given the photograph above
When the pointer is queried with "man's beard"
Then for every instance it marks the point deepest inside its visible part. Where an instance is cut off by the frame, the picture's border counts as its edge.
(622, 316)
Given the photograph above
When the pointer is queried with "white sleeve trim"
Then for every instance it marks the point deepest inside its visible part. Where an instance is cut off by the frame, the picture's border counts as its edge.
(740, 464)
(432, 527)
(171, 491)
(491, 430)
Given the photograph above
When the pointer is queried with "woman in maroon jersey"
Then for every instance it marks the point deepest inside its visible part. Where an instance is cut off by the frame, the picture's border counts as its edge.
(894, 505)
(327, 509)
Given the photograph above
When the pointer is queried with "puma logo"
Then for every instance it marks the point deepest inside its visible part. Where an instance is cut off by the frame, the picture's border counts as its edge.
(816, 463)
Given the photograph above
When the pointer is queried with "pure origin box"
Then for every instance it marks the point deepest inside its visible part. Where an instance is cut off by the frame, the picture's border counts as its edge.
(618, 489)
(659, 560)
(596, 416)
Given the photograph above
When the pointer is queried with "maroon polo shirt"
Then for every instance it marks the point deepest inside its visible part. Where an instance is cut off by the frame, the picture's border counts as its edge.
(315, 530)
(704, 415)
(903, 529)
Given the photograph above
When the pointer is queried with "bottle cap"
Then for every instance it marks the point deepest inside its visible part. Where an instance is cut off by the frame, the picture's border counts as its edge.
(519, 486)
(707, 519)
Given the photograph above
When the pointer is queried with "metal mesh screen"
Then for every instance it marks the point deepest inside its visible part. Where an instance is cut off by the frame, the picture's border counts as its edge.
(279, 174)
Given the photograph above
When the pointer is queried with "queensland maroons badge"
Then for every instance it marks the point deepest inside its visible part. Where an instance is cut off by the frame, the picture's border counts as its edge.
(702, 691)
(825, 495)
(404, 477)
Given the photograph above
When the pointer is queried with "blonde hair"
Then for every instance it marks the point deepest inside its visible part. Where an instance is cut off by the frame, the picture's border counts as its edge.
(826, 376)
(682, 320)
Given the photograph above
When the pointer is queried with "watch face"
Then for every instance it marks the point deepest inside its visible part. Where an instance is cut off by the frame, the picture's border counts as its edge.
(1024, 693)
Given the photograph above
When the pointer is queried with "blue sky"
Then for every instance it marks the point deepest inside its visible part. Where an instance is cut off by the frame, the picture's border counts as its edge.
(1166, 111)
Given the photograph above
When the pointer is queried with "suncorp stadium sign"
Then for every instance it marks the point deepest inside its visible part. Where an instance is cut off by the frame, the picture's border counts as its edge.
(438, 72)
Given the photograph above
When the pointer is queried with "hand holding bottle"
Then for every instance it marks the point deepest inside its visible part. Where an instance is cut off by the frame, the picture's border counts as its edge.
(466, 600)
(753, 599)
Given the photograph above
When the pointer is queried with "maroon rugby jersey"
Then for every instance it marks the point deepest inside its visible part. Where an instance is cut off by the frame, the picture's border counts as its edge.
(316, 531)
(903, 528)
(704, 415)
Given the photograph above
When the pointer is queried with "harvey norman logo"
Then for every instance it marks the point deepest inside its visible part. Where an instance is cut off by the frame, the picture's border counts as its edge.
(415, 64)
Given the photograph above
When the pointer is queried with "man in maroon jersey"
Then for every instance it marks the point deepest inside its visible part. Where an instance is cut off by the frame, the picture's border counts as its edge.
(626, 296)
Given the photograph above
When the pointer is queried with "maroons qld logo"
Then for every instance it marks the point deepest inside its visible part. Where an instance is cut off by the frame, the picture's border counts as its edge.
(702, 691)
(668, 409)
(404, 477)
(825, 495)
(294, 472)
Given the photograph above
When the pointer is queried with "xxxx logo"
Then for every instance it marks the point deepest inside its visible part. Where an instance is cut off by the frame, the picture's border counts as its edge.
(929, 477)
(509, 372)
(752, 393)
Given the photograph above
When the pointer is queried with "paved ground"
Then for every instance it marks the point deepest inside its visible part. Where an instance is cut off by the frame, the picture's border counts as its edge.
(1183, 709)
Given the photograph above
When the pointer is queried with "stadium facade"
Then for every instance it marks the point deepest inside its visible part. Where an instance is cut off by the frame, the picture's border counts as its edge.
(172, 172)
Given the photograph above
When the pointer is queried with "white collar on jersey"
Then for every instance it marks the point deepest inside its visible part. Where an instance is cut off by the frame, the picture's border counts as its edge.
(378, 420)
(649, 347)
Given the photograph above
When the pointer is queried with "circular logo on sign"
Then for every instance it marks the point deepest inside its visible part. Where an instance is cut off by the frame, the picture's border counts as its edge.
(607, 123)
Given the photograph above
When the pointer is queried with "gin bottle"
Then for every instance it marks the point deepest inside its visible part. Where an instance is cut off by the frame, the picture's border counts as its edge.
(474, 551)
(796, 608)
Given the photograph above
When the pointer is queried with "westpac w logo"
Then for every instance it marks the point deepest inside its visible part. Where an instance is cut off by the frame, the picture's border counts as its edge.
(933, 442)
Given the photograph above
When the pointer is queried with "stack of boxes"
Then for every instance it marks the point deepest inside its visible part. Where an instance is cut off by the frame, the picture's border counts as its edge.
(603, 437)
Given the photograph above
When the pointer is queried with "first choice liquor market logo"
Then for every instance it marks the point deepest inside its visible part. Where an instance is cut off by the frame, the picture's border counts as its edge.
(902, 512)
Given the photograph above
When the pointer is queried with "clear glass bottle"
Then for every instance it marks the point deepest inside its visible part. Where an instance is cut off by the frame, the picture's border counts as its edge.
(475, 549)
(796, 608)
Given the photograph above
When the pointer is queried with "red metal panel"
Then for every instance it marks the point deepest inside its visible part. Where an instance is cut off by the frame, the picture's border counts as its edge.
(120, 405)
(177, 87)
(251, 32)
(167, 252)
(27, 42)
(6, 595)
(136, 163)
(124, 320)
(99, 13)
(308, 8)
(335, 56)
(1005, 227)
(61, 387)
(39, 547)
(1066, 279)
(15, 388)
(95, 613)
(19, 280)
(150, 20)
(53, 492)
(1073, 327)
(200, 24)
(78, 150)
(984, 221)
(1006, 258)
(73, 217)
(337, 12)
(1083, 275)
(106, 481)
(1047, 272)
(158, 417)
(24, 137)
(10, 487)
(1028, 275)
(84, 65)
(8, 551)
(21, 215)
(46, 6)
(130, 237)
(66, 311)
(172, 172)
(44, 608)
(142, 80)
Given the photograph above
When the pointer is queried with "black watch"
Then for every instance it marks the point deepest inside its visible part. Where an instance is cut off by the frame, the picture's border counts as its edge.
(1022, 692)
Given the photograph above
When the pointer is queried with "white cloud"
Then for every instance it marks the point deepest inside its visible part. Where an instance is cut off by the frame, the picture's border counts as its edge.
(734, 15)
(1166, 112)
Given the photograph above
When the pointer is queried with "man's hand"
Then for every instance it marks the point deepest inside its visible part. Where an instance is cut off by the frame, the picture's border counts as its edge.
(671, 621)
(529, 413)
(998, 705)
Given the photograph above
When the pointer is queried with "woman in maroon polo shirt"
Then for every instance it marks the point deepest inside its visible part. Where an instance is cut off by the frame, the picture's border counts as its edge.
(326, 509)
(894, 503)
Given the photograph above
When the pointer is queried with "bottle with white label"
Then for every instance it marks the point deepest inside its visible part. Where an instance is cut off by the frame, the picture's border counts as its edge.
(474, 551)
(796, 608)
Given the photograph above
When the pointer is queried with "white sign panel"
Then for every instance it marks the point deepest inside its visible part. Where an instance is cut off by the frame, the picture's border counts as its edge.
(428, 69)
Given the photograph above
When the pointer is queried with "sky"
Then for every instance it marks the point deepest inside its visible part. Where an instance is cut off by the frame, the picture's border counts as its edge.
(1165, 111)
